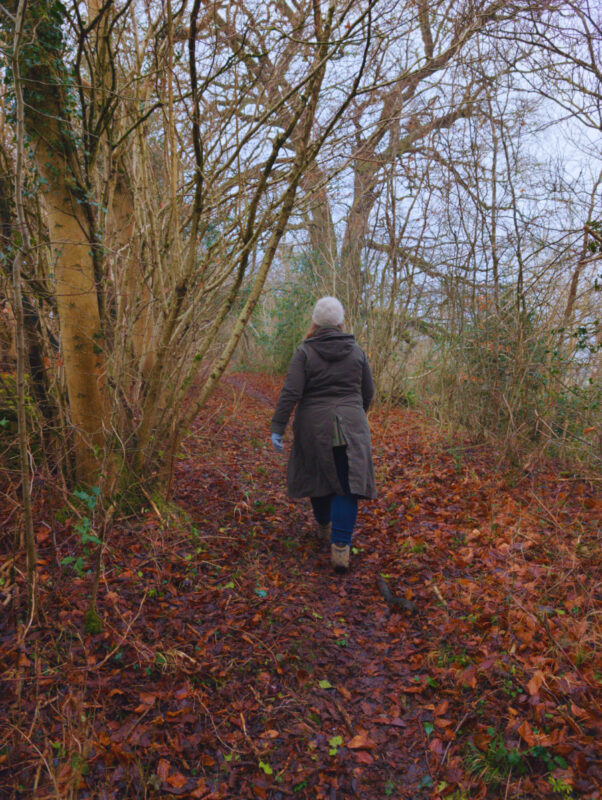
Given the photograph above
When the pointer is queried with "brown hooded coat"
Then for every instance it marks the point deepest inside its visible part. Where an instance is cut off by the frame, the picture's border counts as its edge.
(328, 378)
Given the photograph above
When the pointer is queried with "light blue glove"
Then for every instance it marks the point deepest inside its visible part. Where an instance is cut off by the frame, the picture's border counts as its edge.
(277, 442)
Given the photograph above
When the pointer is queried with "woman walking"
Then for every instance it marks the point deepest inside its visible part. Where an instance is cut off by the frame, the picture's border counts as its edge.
(330, 382)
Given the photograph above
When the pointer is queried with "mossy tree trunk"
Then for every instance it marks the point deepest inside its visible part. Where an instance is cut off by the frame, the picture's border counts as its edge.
(66, 199)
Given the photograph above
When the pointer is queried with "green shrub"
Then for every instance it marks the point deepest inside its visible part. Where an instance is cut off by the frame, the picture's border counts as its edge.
(280, 323)
(9, 449)
(509, 376)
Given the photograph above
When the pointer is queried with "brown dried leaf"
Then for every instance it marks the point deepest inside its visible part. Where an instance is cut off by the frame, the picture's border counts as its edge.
(177, 780)
(163, 769)
(361, 741)
(536, 683)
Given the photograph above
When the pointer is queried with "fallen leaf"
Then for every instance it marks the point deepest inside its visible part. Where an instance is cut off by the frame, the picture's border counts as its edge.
(436, 747)
(536, 683)
(468, 678)
(482, 741)
(361, 741)
(441, 708)
(363, 757)
(199, 791)
(526, 734)
(177, 780)
(147, 698)
(163, 769)
(395, 722)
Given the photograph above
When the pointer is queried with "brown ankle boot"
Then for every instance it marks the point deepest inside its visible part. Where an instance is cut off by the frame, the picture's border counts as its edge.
(339, 557)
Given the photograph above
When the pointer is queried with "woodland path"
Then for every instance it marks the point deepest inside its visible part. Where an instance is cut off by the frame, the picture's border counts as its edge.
(235, 664)
(411, 694)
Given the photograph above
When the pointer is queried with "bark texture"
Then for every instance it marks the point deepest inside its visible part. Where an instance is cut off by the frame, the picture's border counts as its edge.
(66, 202)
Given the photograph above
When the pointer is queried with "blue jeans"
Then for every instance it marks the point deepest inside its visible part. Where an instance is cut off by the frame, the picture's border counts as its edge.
(341, 510)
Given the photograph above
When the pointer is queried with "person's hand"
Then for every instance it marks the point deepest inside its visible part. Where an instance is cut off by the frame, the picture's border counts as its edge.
(277, 442)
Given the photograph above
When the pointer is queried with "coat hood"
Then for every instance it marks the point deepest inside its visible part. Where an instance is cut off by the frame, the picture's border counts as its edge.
(331, 344)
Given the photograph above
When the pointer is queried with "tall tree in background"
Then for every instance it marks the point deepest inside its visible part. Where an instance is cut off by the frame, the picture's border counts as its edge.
(425, 86)
(566, 68)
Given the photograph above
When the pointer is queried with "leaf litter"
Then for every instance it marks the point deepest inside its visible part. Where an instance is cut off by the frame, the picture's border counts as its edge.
(234, 664)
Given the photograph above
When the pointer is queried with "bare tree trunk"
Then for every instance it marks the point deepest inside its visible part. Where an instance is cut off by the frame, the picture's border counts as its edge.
(322, 234)
(135, 296)
(570, 303)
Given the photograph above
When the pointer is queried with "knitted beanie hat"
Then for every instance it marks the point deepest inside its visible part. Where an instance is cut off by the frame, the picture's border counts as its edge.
(328, 313)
